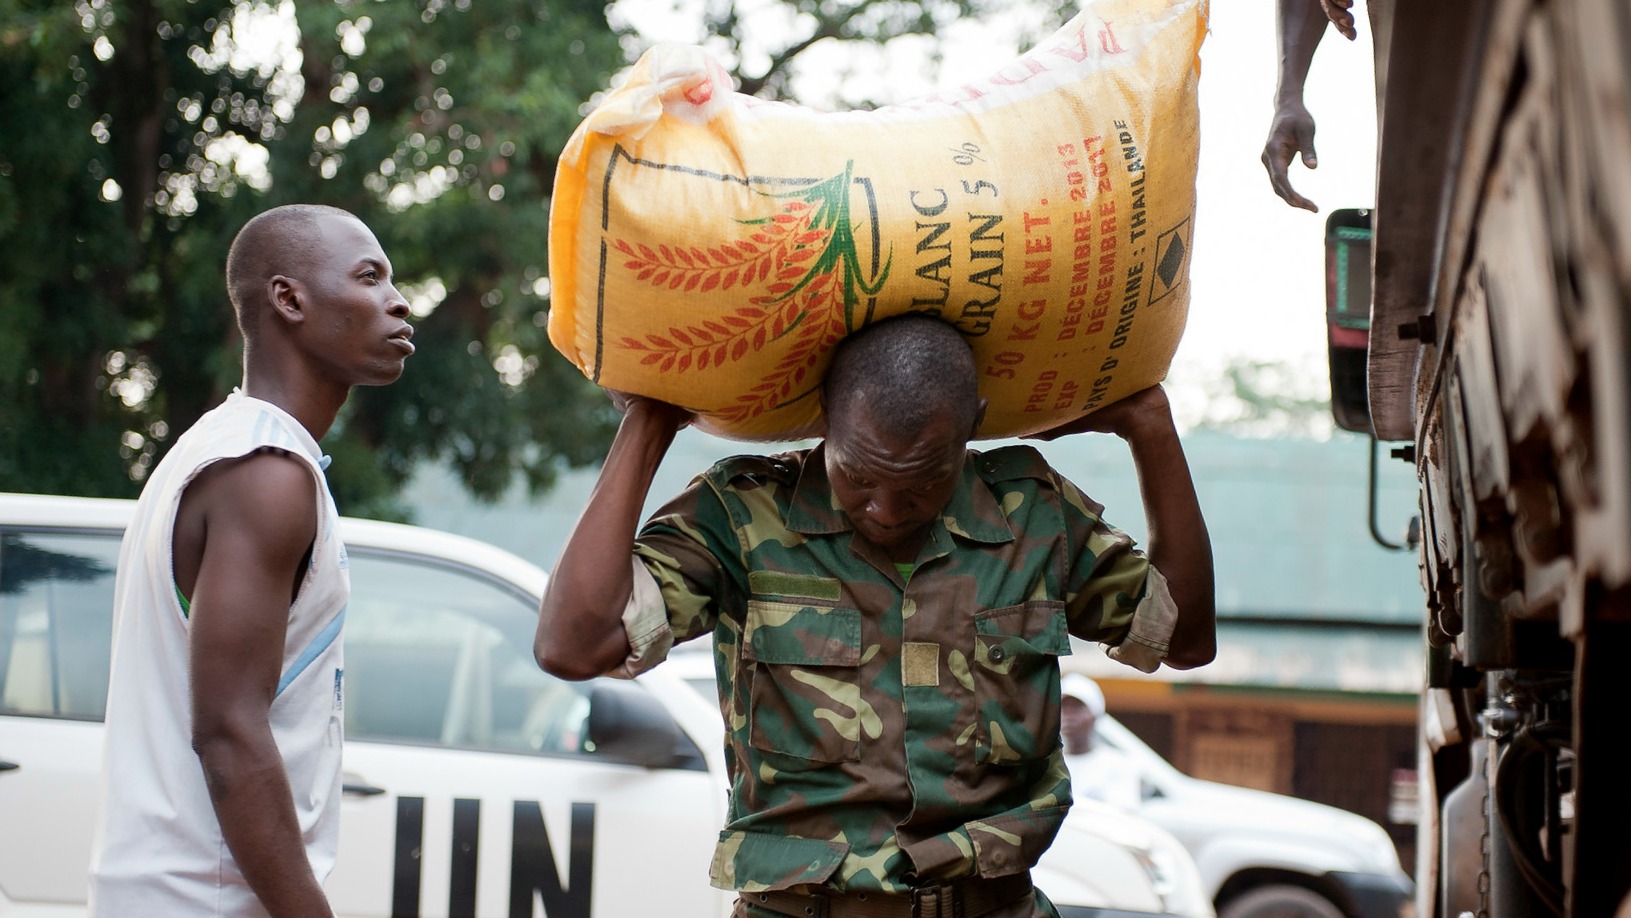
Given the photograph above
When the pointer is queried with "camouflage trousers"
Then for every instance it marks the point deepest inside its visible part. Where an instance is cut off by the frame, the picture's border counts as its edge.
(1028, 903)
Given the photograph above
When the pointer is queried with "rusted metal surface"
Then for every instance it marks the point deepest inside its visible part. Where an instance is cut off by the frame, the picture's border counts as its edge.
(1502, 199)
(1448, 64)
(1593, 41)
(1416, 108)
(1503, 229)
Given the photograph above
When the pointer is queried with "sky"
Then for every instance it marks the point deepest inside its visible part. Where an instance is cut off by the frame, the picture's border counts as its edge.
(1258, 270)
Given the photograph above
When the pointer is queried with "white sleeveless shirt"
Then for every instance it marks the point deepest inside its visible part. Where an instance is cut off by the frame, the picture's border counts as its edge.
(159, 849)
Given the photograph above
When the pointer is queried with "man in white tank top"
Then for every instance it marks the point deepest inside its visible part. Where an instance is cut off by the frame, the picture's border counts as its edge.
(221, 777)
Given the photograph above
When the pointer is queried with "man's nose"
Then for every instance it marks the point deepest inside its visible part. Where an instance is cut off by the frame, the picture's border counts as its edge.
(887, 509)
(398, 304)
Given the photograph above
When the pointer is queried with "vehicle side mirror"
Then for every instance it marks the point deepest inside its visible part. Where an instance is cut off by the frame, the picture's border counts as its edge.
(1347, 315)
(626, 724)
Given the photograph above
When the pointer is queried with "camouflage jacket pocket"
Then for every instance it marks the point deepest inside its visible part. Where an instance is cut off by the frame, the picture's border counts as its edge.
(1016, 681)
(805, 695)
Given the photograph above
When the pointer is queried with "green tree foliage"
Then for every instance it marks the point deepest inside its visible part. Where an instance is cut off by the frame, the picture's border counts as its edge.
(140, 134)
(1262, 398)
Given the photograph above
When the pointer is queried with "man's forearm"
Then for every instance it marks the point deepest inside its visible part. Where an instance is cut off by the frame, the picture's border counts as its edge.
(1179, 545)
(1301, 24)
(255, 807)
(580, 631)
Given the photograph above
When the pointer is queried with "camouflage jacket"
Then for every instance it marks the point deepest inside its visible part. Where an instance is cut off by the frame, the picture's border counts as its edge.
(884, 730)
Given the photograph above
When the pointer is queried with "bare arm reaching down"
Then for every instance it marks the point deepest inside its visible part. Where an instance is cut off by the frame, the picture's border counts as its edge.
(1301, 25)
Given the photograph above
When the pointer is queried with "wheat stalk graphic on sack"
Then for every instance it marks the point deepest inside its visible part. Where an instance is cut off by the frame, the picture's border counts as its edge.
(803, 272)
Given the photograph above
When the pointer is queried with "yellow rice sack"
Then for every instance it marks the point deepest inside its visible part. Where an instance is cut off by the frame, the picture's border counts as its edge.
(709, 248)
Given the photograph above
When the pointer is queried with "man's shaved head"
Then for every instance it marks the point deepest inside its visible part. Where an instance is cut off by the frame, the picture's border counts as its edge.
(283, 240)
(904, 371)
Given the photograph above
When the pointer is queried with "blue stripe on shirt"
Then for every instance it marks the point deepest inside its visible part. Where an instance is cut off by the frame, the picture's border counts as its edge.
(312, 651)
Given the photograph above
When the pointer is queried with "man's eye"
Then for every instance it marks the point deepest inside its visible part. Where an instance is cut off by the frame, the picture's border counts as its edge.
(932, 486)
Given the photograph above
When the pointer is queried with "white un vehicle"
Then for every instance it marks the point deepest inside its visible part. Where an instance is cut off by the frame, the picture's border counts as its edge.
(1265, 855)
(475, 784)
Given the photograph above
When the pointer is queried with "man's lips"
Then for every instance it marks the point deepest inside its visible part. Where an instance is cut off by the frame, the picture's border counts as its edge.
(878, 531)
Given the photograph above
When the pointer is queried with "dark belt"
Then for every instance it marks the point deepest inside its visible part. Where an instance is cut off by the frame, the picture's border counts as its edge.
(966, 898)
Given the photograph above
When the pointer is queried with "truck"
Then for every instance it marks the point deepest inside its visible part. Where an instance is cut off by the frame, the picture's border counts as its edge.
(1477, 319)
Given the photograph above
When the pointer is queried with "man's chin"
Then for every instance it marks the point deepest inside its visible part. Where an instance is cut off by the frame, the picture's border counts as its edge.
(889, 539)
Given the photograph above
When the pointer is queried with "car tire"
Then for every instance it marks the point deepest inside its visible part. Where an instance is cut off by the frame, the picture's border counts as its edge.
(1280, 902)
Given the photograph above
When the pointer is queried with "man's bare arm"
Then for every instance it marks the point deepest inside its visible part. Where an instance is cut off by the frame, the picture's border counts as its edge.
(1340, 12)
(580, 627)
(1179, 545)
(259, 520)
(1301, 25)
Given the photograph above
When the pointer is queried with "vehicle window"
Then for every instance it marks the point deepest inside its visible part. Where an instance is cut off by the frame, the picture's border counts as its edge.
(442, 655)
(56, 623)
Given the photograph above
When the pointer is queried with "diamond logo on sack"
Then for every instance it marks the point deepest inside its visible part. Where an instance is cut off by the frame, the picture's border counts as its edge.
(1171, 261)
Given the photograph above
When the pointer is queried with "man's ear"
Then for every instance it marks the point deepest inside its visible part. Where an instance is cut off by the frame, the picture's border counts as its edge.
(287, 298)
(979, 418)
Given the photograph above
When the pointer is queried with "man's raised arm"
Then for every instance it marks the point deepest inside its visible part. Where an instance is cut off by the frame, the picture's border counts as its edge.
(580, 626)
(1179, 545)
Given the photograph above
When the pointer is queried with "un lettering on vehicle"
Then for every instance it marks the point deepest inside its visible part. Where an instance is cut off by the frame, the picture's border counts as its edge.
(546, 878)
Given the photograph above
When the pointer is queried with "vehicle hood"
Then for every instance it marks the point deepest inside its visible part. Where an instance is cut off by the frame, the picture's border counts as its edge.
(1228, 828)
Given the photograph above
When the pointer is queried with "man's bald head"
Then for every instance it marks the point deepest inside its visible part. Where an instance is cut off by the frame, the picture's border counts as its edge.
(284, 240)
(904, 371)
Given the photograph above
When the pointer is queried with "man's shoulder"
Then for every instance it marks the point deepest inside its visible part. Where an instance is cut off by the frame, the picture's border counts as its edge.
(242, 425)
(1014, 463)
(735, 473)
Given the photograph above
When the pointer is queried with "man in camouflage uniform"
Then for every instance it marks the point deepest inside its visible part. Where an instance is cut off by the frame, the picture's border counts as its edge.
(887, 612)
